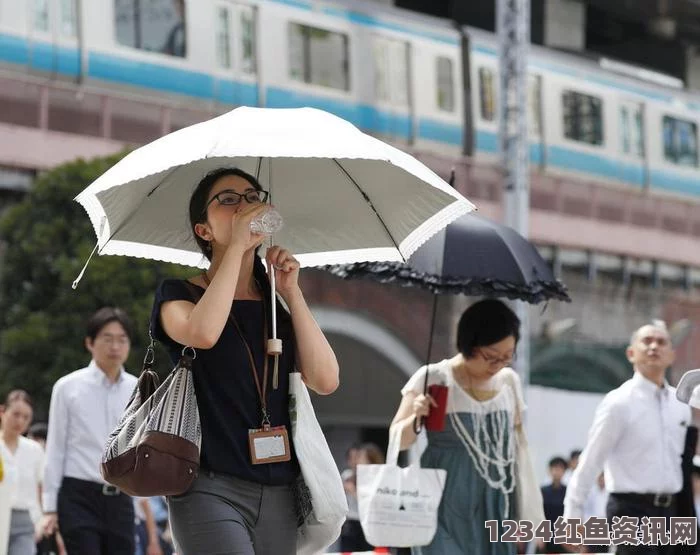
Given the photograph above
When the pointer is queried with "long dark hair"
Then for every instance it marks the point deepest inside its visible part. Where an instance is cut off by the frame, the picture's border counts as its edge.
(198, 215)
(198, 200)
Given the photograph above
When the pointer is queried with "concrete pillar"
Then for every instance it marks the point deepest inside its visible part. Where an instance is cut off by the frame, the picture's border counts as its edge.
(106, 117)
(165, 120)
(44, 107)
(692, 67)
(592, 270)
(565, 24)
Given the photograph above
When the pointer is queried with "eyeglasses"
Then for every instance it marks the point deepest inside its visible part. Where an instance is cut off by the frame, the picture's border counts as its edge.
(231, 198)
(492, 360)
(111, 339)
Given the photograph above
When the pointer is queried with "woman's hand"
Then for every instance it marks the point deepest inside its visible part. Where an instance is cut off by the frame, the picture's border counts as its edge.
(286, 269)
(240, 226)
(153, 548)
(422, 404)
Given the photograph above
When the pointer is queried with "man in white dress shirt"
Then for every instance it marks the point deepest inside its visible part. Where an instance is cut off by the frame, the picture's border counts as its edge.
(94, 518)
(638, 437)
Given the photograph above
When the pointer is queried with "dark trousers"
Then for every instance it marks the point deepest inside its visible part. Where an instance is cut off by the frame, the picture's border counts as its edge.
(93, 520)
(639, 506)
(352, 538)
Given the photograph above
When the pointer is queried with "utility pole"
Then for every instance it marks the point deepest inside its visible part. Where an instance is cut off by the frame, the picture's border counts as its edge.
(513, 29)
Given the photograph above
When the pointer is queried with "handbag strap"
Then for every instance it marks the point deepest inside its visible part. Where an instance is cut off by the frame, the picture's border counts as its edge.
(392, 451)
(149, 379)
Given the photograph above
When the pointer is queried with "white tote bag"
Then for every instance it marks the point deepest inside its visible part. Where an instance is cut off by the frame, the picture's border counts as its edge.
(321, 503)
(399, 506)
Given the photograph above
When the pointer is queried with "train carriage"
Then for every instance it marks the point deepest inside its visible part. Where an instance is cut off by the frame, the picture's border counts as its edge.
(393, 73)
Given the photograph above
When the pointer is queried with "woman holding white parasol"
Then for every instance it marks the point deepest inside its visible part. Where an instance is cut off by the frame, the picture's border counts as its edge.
(345, 197)
(243, 497)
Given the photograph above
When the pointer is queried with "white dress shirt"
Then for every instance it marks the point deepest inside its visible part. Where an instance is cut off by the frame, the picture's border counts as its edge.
(596, 504)
(85, 408)
(638, 436)
(24, 471)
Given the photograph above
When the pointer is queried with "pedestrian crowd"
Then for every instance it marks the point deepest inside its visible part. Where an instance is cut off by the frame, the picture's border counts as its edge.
(244, 499)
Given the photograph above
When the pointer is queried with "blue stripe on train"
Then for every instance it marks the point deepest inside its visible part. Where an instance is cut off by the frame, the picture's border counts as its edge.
(66, 61)
(570, 159)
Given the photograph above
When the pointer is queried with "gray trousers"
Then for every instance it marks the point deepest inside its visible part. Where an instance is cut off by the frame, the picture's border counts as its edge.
(21, 534)
(224, 515)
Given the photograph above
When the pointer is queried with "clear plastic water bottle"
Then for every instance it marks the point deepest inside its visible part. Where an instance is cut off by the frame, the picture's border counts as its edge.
(267, 223)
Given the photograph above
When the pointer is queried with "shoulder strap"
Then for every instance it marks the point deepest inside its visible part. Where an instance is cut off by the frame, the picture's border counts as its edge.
(149, 380)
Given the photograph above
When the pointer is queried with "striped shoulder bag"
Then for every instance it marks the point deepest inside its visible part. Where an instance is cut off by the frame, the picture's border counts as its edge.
(155, 448)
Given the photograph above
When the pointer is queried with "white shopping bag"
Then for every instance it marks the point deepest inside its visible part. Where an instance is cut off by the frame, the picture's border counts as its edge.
(398, 506)
(321, 502)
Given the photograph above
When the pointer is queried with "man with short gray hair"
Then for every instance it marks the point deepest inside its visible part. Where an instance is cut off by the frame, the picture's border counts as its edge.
(638, 437)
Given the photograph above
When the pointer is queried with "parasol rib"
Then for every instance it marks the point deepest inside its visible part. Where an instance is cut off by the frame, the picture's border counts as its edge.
(371, 205)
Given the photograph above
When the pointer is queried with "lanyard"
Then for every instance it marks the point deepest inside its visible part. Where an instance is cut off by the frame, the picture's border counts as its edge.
(262, 391)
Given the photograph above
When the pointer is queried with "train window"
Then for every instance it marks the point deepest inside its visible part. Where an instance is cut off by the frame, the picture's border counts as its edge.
(223, 36)
(583, 117)
(40, 15)
(318, 56)
(534, 104)
(632, 130)
(69, 18)
(445, 84)
(625, 129)
(680, 141)
(487, 94)
(391, 70)
(381, 69)
(61, 15)
(238, 21)
(152, 25)
(248, 57)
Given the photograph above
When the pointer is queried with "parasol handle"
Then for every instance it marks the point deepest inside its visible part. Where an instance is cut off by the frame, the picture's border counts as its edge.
(419, 421)
(274, 345)
(273, 302)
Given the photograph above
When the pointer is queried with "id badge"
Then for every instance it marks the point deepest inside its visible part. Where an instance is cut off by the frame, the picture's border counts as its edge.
(269, 445)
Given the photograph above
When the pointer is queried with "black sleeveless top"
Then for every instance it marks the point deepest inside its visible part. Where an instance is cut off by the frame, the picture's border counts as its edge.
(227, 397)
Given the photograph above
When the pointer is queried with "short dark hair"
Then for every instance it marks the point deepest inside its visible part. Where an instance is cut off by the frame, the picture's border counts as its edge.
(575, 454)
(198, 200)
(39, 429)
(485, 323)
(558, 461)
(104, 316)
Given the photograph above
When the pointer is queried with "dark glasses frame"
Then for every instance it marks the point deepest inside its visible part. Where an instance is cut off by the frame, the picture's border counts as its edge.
(260, 194)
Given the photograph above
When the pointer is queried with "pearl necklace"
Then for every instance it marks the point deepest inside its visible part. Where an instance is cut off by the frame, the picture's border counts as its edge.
(491, 447)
